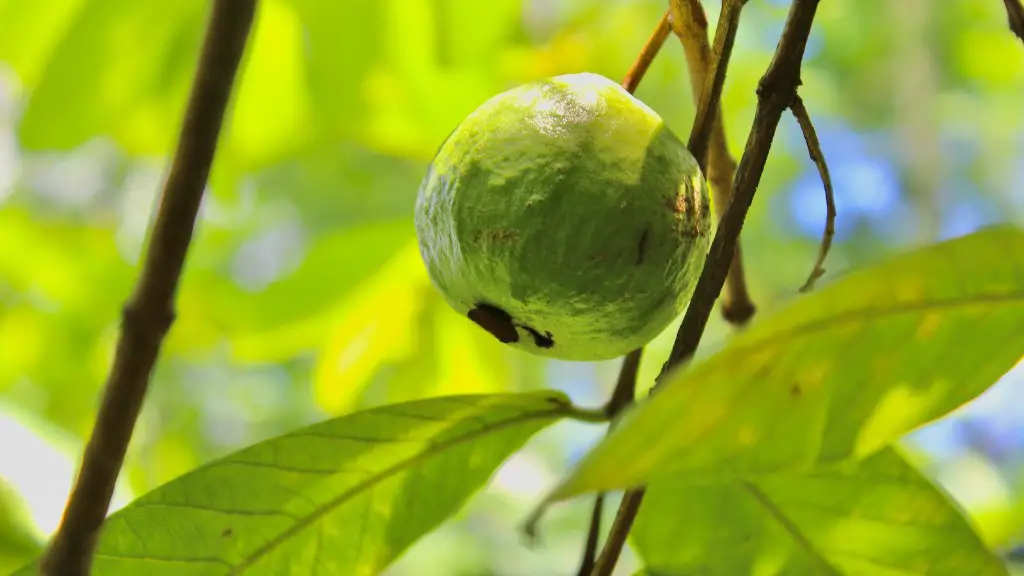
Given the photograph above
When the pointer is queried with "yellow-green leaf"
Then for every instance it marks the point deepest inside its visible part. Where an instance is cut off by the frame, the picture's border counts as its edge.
(838, 374)
(342, 497)
(876, 517)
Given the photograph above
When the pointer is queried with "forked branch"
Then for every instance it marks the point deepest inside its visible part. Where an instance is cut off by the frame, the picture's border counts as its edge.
(775, 93)
(149, 313)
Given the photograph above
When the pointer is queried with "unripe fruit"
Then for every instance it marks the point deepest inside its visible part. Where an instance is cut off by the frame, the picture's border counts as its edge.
(565, 218)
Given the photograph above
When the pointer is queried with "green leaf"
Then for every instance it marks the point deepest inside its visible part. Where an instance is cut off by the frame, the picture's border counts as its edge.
(837, 374)
(346, 496)
(127, 76)
(18, 543)
(876, 517)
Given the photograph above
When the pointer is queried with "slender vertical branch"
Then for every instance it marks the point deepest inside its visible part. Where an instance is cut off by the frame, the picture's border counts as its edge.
(690, 24)
(149, 313)
(775, 94)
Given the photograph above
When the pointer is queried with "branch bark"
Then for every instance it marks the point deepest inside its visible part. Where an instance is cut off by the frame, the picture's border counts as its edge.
(1015, 17)
(775, 94)
(622, 397)
(690, 24)
(818, 157)
(646, 56)
(149, 312)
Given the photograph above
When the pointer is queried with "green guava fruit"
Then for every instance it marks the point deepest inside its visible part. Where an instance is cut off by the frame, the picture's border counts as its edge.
(565, 218)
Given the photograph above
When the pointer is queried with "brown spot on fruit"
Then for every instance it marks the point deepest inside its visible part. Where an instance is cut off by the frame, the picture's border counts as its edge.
(545, 340)
(641, 247)
(680, 205)
(502, 235)
(496, 321)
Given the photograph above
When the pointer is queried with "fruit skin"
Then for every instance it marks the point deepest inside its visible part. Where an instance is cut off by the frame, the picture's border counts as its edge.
(565, 218)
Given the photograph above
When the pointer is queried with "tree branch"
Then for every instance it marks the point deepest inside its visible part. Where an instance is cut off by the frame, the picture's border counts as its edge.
(625, 387)
(646, 56)
(814, 150)
(149, 312)
(690, 24)
(1015, 16)
(775, 94)
(622, 397)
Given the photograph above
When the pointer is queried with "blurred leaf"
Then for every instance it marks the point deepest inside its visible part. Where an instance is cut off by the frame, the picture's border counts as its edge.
(128, 65)
(17, 541)
(271, 116)
(293, 314)
(372, 327)
(876, 517)
(342, 44)
(470, 360)
(446, 354)
(342, 497)
(31, 31)
(837, 374)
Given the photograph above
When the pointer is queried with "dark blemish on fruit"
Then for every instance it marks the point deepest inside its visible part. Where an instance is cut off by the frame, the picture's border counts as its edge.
(795, 390)
(545, 340)
(227, 532)
(496, 321)
(641, 247)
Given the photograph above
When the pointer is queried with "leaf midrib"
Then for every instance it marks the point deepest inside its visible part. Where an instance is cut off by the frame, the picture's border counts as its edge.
(792, 529)
(385, 474)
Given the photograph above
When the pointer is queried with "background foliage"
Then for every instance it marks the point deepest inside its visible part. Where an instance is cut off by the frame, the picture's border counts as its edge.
(304, 296)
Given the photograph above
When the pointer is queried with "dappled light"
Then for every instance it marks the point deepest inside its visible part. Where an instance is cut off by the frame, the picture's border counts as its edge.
(316, 387)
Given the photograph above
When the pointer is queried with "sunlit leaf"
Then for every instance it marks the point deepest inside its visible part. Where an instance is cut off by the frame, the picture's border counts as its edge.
(128, 77)
(272, 112)
(18, 542)
(370, 328)
(342, 44)
(342, 497)
(292, 315)
(838, 374)
(876, 517)
(31, 31)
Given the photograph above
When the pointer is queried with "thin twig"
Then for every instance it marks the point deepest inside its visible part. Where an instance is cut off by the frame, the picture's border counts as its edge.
(1015, 16)
(646, 56)
(690, 24)
(814, 150)
(149, 313)
(625, 386)
(622, 396)
(774, 95)
(593, 535)
(698, 144)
